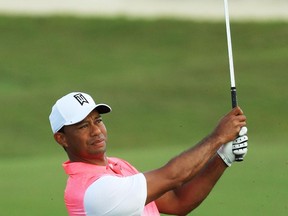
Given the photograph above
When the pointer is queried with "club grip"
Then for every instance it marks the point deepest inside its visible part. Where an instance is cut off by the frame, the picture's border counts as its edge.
(233, 97)
(239, 158)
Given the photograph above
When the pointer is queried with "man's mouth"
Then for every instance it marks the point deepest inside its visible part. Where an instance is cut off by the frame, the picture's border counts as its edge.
(97, 141)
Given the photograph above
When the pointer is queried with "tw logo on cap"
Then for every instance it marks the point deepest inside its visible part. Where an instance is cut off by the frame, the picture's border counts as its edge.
(81, 99)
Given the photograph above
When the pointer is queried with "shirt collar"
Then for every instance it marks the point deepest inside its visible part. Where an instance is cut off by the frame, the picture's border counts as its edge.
(81, 167)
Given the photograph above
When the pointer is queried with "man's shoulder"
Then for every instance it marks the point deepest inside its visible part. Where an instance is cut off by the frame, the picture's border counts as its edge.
(123, 164)
(119, 161)
(116, 160)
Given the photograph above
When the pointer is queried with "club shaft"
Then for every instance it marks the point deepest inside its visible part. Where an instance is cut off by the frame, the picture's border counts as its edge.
(230, 55)
(229, 42)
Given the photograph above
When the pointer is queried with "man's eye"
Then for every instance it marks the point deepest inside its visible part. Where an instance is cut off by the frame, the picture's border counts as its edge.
(83, 126)
(99, 120)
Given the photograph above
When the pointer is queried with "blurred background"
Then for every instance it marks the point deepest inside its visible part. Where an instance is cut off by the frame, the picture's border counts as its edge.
(205, 9)
(163, 68)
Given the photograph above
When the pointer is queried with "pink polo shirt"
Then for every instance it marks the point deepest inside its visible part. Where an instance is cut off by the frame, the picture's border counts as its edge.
(116, 189)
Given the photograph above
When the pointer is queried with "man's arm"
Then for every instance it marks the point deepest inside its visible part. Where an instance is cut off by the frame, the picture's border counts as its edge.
(187, 165)
(187, 197)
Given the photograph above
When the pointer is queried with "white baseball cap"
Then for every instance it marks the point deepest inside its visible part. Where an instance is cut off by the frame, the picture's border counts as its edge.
(73, 108)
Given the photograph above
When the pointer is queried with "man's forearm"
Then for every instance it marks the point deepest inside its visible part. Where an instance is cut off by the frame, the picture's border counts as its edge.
(183, 168)
(195, 159)
(196, 190)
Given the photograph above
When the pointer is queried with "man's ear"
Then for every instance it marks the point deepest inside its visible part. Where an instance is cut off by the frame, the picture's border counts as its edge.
(61, 139)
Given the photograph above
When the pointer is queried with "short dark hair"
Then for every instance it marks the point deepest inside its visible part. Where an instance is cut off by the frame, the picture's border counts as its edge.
(61, 130)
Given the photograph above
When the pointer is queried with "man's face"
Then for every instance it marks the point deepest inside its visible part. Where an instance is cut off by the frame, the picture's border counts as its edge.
(86, 140)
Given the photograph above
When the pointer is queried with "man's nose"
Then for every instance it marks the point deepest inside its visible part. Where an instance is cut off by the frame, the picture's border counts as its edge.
(95, 130)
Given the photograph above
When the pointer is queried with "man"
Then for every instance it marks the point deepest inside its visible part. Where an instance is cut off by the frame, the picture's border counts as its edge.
(101, 185)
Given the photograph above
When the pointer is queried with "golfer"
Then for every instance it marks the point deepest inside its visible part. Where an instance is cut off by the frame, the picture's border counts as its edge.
(101, 185)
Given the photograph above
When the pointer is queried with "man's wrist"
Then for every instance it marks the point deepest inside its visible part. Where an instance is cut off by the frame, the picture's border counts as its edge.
(226, 154)
(225, 161)
(216, 139)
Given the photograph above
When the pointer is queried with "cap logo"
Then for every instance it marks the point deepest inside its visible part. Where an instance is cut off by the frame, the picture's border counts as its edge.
(81, 99)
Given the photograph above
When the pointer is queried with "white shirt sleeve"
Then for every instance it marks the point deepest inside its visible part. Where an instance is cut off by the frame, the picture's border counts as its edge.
(112, 195)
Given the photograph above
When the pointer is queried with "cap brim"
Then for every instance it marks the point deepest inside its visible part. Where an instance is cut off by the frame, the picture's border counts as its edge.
(103, 108)
(100, 108)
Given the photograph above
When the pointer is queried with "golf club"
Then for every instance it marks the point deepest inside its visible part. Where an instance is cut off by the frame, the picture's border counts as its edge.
(231, 65)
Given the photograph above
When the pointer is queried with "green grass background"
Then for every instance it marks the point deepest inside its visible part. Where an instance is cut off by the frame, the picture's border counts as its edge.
(168, 84)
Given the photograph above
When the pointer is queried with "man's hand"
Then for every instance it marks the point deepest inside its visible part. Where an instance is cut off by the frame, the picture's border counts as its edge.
(229, 126)
(237, 147)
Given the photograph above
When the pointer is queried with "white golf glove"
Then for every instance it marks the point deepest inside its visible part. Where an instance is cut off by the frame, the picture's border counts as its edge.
(231, 149)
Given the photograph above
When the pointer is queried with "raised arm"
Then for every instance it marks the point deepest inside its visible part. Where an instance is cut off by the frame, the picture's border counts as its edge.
(188, 164)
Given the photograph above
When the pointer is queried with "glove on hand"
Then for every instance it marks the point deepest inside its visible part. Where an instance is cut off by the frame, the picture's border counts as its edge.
(237, 147)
